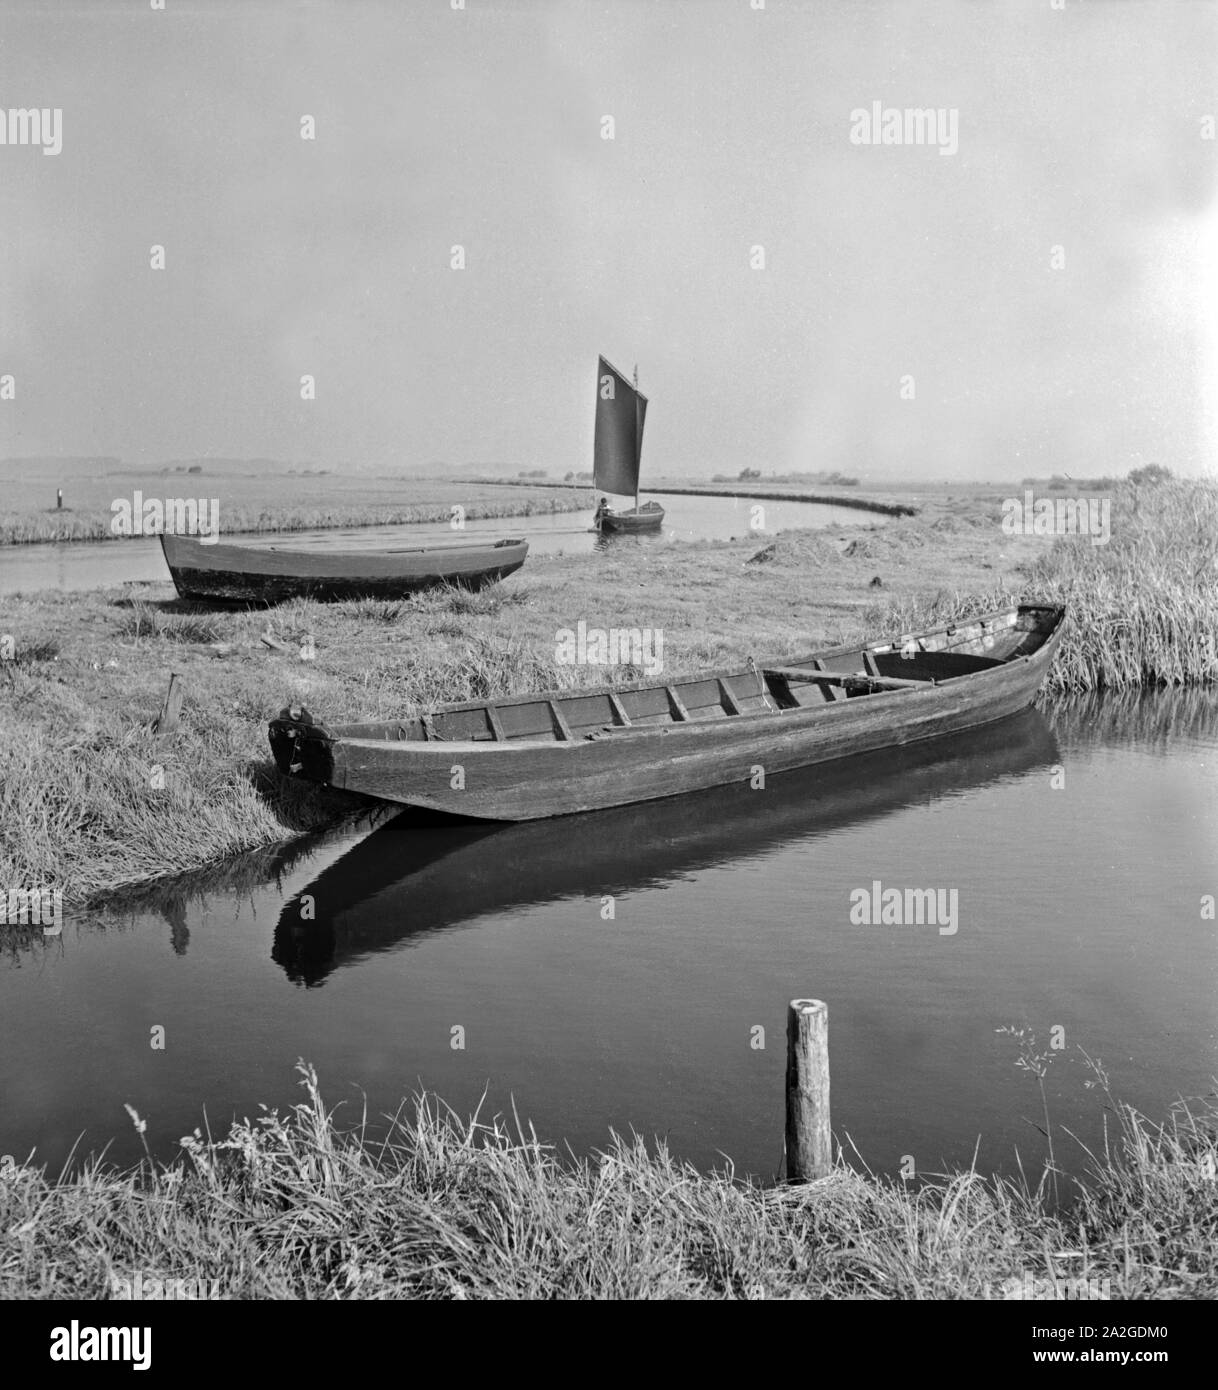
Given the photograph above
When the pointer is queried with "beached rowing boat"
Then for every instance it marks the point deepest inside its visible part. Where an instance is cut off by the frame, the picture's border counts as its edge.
(560, 752)
(255, 572)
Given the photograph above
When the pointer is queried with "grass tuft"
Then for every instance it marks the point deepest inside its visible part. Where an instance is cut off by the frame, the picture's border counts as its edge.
(428, 1205)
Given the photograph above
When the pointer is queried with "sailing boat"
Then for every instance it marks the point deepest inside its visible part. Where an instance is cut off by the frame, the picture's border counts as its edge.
(621, 409)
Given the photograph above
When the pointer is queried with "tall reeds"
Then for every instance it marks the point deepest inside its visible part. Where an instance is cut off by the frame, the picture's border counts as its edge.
(1142, 609)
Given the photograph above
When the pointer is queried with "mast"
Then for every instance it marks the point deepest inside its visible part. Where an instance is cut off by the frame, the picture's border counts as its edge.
(636, 435)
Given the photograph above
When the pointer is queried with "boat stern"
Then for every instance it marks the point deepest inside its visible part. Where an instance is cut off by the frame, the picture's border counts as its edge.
(301, 746)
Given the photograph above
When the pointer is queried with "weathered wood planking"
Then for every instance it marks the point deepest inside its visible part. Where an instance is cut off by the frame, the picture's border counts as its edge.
(809, 1138)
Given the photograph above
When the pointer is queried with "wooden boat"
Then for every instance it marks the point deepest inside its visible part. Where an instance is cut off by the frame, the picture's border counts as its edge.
(561, 752)
(617, 453)
(415, 876)
(253, 571)
(648, 517)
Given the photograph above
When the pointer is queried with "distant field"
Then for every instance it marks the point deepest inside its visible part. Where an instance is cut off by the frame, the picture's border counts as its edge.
(263, 496)
(265, 502)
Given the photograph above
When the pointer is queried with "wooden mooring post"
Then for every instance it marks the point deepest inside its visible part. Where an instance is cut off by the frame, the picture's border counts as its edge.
(167, 721)
(809, 1138)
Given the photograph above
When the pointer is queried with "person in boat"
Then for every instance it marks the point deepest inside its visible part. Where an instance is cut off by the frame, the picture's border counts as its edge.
(602, 510)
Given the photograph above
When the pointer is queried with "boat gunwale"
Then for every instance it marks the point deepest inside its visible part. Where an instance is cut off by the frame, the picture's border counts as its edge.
(442, 747)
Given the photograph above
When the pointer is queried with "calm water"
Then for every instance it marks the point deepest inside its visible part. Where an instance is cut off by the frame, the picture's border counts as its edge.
(1079, 907)
(83, 565)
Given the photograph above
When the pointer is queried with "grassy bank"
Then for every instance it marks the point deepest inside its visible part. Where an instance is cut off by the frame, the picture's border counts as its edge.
(828, 499)
(300, 1206)
(88, 800)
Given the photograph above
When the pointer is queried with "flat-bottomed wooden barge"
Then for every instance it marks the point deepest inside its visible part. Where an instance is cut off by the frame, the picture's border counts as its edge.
(562, 752)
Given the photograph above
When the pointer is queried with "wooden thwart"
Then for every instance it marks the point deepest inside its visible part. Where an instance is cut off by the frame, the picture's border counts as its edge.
(730, 703)
(561, 727)
(830, 692)
(676, 704)
(619, 712)
(802, 673)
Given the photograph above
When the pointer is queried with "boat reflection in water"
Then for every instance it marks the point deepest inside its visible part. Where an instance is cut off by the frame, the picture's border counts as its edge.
(412, 877)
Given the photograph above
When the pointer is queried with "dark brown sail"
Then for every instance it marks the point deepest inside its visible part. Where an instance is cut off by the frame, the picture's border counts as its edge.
(621, 410)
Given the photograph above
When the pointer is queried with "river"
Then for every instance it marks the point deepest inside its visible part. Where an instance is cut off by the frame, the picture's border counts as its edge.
(89, 565)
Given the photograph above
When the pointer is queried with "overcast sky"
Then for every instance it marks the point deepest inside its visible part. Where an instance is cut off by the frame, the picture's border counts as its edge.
(1079, 128)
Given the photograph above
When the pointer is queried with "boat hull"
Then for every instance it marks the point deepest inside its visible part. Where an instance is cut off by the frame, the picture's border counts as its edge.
(268, 574)
(527, 778)
(632, 522)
